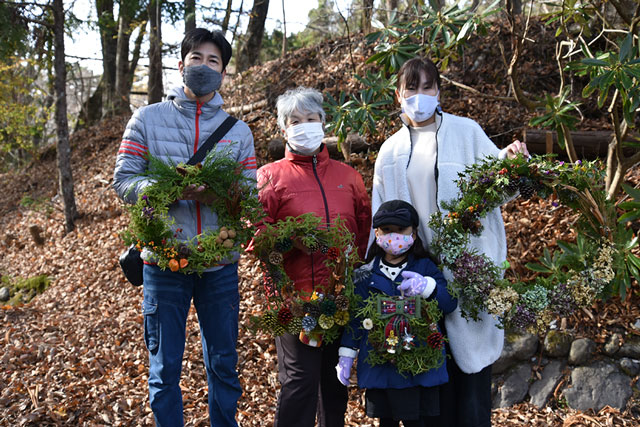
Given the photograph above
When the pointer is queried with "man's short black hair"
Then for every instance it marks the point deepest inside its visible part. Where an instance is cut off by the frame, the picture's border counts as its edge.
(194, 38)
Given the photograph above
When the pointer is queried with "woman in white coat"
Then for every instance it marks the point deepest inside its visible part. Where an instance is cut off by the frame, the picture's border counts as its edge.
(419, 164)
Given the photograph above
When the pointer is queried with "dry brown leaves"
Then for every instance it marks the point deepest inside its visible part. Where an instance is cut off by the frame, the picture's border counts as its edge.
(75, 355)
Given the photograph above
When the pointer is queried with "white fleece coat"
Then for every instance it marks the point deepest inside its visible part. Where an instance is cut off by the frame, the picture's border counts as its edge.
(460, 142)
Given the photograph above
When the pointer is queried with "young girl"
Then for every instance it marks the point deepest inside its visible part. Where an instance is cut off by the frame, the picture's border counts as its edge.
(397, 264)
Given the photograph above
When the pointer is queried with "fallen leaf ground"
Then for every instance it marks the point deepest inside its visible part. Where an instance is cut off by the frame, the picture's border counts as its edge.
(75, 355)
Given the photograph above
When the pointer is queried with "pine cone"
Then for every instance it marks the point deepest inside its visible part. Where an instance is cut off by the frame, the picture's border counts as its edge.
(269, 320)
(295, 326)
(284, 316)
(313, 247)
(435, 340)
(328, 307)
(311, 309)
(278, 329)
(512, 187)
(283, 245)
(470, 223)
(342, 302)
(526, 188)
(275, 257)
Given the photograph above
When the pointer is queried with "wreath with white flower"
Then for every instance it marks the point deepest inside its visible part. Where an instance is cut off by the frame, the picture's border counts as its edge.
(318, 316)
(566, 281)
(235, 204)
(403, 331)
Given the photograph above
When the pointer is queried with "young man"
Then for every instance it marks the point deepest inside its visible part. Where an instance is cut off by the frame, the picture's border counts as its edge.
(173, 131)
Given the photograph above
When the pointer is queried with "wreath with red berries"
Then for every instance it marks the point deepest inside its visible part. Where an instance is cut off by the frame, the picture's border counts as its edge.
(403, 331)
(235, 203)
(318, 317)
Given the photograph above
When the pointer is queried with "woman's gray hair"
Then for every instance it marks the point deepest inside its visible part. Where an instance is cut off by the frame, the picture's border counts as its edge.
(303, 99)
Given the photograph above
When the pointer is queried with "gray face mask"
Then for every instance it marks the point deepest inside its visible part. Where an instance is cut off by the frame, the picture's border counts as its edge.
(201, 79)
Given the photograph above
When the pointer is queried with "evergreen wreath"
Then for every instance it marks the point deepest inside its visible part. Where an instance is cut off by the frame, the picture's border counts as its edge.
(479, 284)
(235, 203)
(320, 314)
(403, 331)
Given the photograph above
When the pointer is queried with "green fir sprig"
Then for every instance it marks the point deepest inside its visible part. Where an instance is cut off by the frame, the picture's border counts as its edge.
(235, 203)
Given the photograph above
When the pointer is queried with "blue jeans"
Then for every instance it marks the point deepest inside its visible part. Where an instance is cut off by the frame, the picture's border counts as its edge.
(167, 299)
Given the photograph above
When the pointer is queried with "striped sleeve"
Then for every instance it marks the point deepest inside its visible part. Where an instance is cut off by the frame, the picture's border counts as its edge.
(133, 148)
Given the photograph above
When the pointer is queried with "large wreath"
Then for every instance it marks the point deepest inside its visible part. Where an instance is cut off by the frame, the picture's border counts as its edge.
(235, 204)
(477, 281)
(318, 316)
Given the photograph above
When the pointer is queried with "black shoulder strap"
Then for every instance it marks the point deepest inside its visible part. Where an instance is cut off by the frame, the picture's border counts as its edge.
(212, 140)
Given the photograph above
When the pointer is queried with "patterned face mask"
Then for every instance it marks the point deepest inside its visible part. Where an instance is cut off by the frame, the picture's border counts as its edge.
(395, 243)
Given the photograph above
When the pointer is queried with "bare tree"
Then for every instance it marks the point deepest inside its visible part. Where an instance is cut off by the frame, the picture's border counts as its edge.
(250, 51)
(189, 15)
(65, 176)
(391, 6)
(514, 6)
(155, 89)
(284, 31)
(367, 14)
(227, 16)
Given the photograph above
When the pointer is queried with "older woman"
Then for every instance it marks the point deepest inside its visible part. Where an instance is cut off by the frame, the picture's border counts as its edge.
(307, 180)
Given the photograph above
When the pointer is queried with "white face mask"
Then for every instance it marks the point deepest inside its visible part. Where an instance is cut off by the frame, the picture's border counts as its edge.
(305, 138)
(420, 107)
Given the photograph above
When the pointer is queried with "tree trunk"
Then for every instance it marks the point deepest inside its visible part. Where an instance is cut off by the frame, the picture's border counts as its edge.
(390, 6)
(109, 42)
(514, 6)
(65, 177)
(155, 89)
(189, 15)
(235, 29)
(91, 111)
(121, 102)
(367, 14)
(227, 17)
(284, 31)
(137, 48)
(250, 51)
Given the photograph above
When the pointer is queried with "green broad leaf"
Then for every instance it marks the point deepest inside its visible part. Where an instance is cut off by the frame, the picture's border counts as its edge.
(626, 47)
(633, 192)
(594, 62)
(568, 248)
(626, 283)
(539, 268)
(464, 30)
(633, 260)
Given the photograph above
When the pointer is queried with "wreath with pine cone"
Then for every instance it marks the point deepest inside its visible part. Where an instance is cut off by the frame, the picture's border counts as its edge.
(316, 317)
(565, 283)
(235, 204)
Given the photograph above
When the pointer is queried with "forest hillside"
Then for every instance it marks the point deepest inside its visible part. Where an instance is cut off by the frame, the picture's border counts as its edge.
(75, 354)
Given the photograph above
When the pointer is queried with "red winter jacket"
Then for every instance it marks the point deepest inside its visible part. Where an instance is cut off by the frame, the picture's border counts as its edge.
(300, 184)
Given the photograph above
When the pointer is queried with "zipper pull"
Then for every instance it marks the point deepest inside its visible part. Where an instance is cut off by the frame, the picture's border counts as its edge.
(315, 160)
(199, 106)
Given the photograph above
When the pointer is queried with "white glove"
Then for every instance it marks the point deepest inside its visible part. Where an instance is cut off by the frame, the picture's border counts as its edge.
(417, 284)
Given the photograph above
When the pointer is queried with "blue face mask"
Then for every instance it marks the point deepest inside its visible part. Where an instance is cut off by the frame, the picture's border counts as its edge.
(201, 79)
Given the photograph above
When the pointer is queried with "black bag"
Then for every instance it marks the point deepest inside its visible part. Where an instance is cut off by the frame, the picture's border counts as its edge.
(130, 260)
(131, 265)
